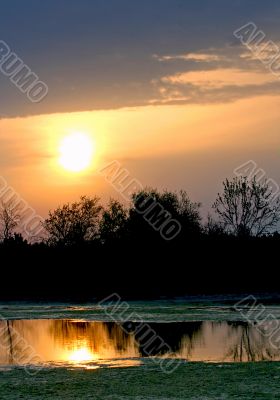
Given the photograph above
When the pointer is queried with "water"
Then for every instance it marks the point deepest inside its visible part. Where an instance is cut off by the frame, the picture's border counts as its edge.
(206, 308)
(181, 349)
(109, 344)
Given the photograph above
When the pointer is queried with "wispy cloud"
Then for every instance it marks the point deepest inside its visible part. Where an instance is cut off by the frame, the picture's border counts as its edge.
(216, 75)
(220, 78)
(199, 57)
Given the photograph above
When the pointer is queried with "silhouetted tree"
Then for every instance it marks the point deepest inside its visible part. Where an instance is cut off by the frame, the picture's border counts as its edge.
(16, 241)
(151, 209)
(214, 228)
(74, 223)
(9, 219)
(113, 221)
(247, 207)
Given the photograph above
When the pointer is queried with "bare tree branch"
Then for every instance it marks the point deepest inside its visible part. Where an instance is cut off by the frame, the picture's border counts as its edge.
(247, 207)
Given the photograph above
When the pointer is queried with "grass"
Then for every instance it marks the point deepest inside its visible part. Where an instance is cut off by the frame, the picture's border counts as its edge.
(194, 381)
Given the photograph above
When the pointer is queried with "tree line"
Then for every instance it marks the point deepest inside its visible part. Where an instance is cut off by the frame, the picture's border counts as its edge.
(244, 208)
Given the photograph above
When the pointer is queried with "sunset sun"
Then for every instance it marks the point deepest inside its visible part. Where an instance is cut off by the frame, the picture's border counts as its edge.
(76, 152)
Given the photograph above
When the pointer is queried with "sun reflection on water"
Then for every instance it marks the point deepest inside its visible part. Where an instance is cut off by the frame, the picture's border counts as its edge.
(79, 355)
(79, 352)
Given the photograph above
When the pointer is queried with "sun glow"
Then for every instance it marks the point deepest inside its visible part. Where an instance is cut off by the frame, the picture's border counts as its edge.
(81, 354)
(76, 152)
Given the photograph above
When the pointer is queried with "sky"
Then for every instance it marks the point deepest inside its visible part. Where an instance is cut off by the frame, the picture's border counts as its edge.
(162, 86)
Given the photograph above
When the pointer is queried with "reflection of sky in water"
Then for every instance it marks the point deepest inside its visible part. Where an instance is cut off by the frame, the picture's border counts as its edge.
(106, 344)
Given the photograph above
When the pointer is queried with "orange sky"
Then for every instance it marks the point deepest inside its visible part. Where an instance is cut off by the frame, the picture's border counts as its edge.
(168, 89)
(193, 147)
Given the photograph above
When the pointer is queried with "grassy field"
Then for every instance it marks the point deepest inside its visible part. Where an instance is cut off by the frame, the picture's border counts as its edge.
(194, 381)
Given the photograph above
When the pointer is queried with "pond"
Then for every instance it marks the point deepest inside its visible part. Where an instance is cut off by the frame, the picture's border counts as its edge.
(100, 344)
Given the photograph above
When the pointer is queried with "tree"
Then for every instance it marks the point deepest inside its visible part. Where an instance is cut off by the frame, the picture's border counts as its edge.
(9, 219)
(214, 228)
(151, 209)
(113, 221)
(188, 212)
(74, 223)
(247, 207)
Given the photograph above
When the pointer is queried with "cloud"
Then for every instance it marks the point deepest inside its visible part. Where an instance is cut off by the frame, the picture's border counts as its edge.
(220, 78)
(223, 75)
(206, 76)
(101, 55)
(204, 57)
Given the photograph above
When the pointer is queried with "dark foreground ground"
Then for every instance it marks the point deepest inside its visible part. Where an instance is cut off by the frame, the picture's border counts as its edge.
(194, 381)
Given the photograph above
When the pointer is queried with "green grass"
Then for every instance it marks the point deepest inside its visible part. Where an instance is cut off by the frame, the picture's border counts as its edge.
(195, 381)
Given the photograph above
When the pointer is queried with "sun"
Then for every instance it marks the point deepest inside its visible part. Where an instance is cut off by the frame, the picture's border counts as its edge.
(76, 152)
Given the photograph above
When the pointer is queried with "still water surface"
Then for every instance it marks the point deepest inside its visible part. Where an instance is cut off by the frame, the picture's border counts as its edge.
(109, 344)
